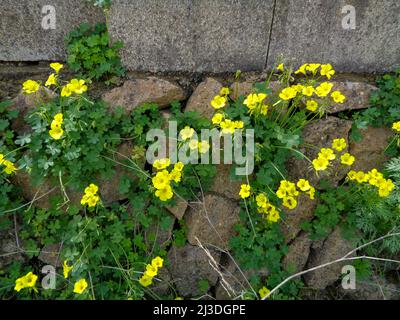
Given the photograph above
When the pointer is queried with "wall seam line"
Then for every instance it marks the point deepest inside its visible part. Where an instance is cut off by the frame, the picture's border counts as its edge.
(270, 35)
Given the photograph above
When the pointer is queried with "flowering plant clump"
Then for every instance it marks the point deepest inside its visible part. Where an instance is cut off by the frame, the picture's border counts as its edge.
(327, 155)
(373, 178)
(288, 192)
(163, 179)
(75, 140)
(151, 271)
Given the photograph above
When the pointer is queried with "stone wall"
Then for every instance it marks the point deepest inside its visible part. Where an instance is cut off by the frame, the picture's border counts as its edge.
(217, 35)
(34, 30)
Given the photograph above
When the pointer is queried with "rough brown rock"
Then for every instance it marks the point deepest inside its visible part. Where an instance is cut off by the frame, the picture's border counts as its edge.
(109, 188)
(9, 250)
(236, 280)
(224, 184)
(155, 234)
(136, 92)
(202, 96)
(163, 283)
(294, 218)
(369, 152)
(189, 265)
(50, 254)
(374, 288)
(212, 223)
(179, 209)
(320, 134)
(246, 87)
(298, 253)
(357, 96)
(26, 102)
(334, 247)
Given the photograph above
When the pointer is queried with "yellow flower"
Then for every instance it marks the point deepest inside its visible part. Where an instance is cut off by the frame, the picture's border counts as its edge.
(375, 178)
(59, 118)
(27, 281)
(327, 153)
(313, 67)
(203, 146)
(161, 180)
(193, 144)
(323, 89)
(280, 67)
(254, 99)
(264, 109)
(290, 202)
(9, 167)
(288, 93)
(396, 126)
(151, 270)
(52, 80)
(175, 175)
(145, 281)
(312, 105)
(238, 124)
(90, 197)
(263, 292)
(158, 262)
(92, 189)
(338, 97)
(66, 269)
(165, 194)
(311, 193)
(320, 164)
(78, 86)
(339, 144)
(308, 91)
(228, 126)
(66, 91)
(281, 193)
(93, 200)
(304, 185)
(1, 158)
(327, 70)
(30, 280)
(186, 133)
(178, 166)
(19, 284)
(161, 164)
(30, 86)
(347, 159)
(352, 175)
(56, 66)
(56, 133)
(178, 298)
(217, 118)
(298, 88)
(385, 188)
(244, 191)
(261, 200)
(273, 215)
(224, 91)
(361, 177)
(80, 286)
(302, 69)
(251, 101)
(218, 102)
